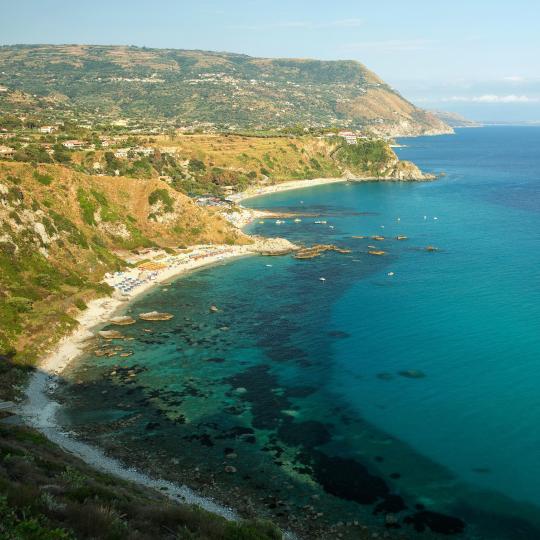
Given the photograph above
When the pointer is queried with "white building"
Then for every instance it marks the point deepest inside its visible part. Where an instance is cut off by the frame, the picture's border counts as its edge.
(72, 145)
(349, 136)
(47, 129)
(6, 152)
(122, 153)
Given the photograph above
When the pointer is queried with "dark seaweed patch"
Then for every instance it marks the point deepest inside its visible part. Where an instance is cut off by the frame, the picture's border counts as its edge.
(347, 479)
(392, 504)
(309, 434)
(439, 523)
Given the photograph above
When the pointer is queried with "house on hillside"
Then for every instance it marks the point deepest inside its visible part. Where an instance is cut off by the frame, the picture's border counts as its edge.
(143, 150)
(73, 144)
(47, 129)
(6, 151)
(349, 136)
(122, 153)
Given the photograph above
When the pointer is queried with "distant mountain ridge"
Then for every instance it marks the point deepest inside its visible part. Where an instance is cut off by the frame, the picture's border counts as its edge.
(184, 87)
(456, 120)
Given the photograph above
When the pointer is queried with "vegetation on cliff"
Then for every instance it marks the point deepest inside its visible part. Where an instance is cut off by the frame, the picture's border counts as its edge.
(60, 231)
(46, 494)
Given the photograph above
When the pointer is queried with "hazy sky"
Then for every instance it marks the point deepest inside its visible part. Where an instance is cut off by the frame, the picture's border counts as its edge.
(479, 57)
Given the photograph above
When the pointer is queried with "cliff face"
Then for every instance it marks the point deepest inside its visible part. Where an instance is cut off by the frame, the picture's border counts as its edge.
(197, 87)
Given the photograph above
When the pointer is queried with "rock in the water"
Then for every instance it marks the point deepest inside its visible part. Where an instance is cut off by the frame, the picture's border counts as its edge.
(230, 469)
(111, 334)
(156, 316)
(122, 321)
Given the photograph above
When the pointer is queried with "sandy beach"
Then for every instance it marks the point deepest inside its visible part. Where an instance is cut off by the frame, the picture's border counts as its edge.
(256, 191)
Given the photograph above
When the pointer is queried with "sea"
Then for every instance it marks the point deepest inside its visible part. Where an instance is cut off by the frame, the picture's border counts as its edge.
(399, 391)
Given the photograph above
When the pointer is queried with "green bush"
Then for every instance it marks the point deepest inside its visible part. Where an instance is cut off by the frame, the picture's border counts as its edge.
(45, 179)
(80, 304)
(88, 207)
(163, 196)
(20, 304)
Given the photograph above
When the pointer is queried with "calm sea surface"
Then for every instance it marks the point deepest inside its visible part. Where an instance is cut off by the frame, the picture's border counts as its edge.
(405, 385)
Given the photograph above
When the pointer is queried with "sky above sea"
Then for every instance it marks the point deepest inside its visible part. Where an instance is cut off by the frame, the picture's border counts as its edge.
(478, 58)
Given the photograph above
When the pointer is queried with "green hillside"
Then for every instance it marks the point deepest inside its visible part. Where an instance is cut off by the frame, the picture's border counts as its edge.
(197, 88)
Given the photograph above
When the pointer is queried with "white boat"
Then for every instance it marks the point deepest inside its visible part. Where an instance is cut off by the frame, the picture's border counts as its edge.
(279, 222)
(297, 220)
(322, 279)
(321, 222)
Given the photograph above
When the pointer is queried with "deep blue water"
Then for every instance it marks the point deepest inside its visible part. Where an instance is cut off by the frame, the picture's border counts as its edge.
(424, 384)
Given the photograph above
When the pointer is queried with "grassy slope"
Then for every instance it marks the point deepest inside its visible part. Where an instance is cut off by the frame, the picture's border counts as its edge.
(59, 232)
(46, 494)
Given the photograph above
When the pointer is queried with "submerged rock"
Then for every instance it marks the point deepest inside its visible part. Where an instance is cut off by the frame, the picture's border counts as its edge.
(156, 316)
(438, 523)
(412, 374)
(111, 334)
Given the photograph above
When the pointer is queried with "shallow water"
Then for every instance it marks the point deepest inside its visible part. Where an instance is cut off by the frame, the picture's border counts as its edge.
(368, 392)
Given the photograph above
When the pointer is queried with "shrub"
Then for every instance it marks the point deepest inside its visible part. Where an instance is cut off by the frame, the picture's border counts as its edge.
(163, 196)
(88, 207)
(20, 304)
(196, 166)
(45, 179)
(80, 304)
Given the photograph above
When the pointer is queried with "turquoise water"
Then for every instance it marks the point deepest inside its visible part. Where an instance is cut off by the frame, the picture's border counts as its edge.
(414, 394)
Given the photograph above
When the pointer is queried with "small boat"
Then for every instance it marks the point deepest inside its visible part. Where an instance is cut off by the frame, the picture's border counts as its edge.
(321, 222)
(378, 238)
(297, 220)
(401, 237)
(322, 279)
(390, 274)
(377, 252)
(330, 226)
(268, 265)
(359, 237)
(279, 222)
(261, 222)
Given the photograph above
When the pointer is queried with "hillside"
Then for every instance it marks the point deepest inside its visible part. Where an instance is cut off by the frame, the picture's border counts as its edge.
(196, 88)
(455, 120)
(60, 231)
